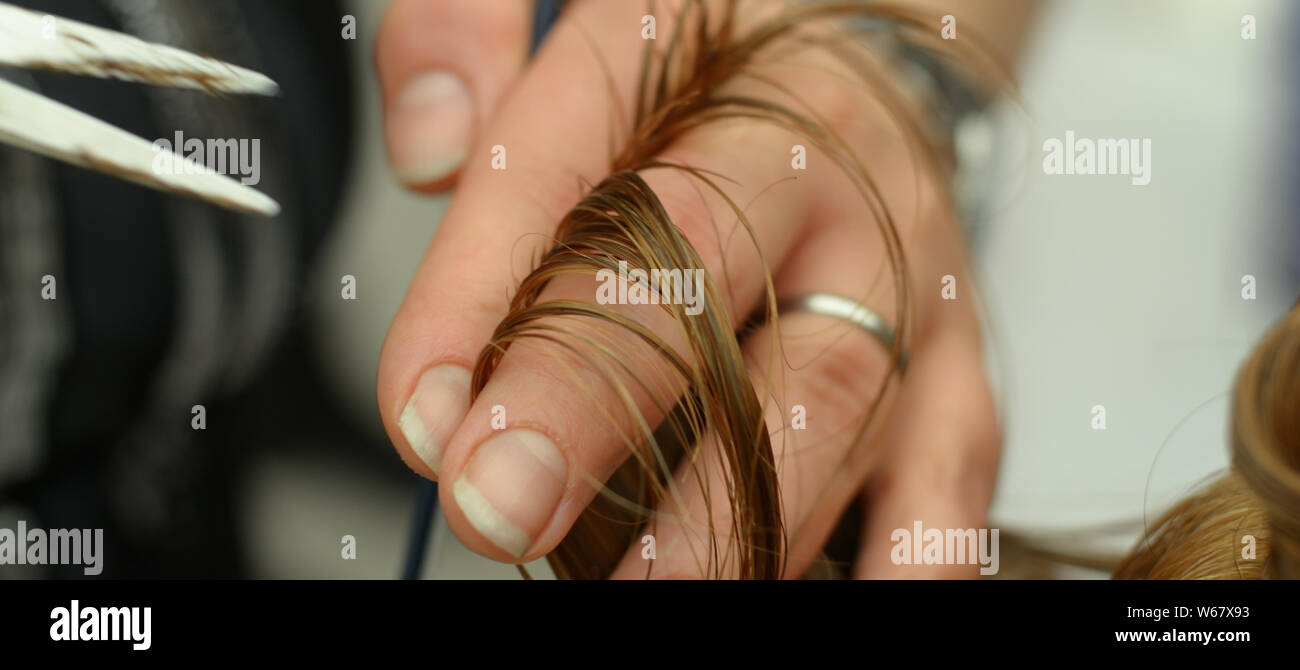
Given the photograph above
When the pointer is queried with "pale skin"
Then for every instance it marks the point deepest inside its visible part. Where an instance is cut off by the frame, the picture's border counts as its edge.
(932, 452)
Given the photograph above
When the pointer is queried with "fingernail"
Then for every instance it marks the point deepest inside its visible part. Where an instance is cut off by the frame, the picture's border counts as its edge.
(435, 409)
(429, 125)
(511, 487)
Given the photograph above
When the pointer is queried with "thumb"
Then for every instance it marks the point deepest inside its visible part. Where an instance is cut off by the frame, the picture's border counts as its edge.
(442, 66)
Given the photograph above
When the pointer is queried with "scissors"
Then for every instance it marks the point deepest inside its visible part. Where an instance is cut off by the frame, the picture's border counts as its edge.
(30, 121)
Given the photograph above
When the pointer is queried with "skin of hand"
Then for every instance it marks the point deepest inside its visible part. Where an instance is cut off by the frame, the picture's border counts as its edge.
(457, 86)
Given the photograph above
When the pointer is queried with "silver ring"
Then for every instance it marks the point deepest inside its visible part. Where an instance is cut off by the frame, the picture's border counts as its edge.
(852, 311)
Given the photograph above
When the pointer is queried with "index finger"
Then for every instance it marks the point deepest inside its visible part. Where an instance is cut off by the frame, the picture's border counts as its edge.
(522, 175)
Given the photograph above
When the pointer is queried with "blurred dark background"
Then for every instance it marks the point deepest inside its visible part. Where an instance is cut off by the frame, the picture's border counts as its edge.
(165, 303)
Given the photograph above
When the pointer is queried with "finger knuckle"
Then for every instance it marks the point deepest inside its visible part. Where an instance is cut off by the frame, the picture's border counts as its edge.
(844, 377)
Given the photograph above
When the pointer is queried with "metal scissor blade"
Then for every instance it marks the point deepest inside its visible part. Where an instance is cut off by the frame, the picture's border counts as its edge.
(41, 42)
(36, 123)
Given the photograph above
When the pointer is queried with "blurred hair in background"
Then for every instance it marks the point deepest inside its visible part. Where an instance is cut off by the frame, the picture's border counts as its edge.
(1098, 292)
(163, 303)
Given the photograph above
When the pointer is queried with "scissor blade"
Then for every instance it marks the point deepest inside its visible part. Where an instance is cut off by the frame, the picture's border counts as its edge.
(39, 41)
(36, 123)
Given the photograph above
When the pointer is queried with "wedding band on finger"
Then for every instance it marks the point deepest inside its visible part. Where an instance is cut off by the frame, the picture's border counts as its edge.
(864, 317)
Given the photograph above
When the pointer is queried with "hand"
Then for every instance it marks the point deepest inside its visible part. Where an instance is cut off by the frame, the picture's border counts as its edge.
(455, 85)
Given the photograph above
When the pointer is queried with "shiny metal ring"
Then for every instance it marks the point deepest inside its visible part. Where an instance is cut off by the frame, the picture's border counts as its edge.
(852, 311)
